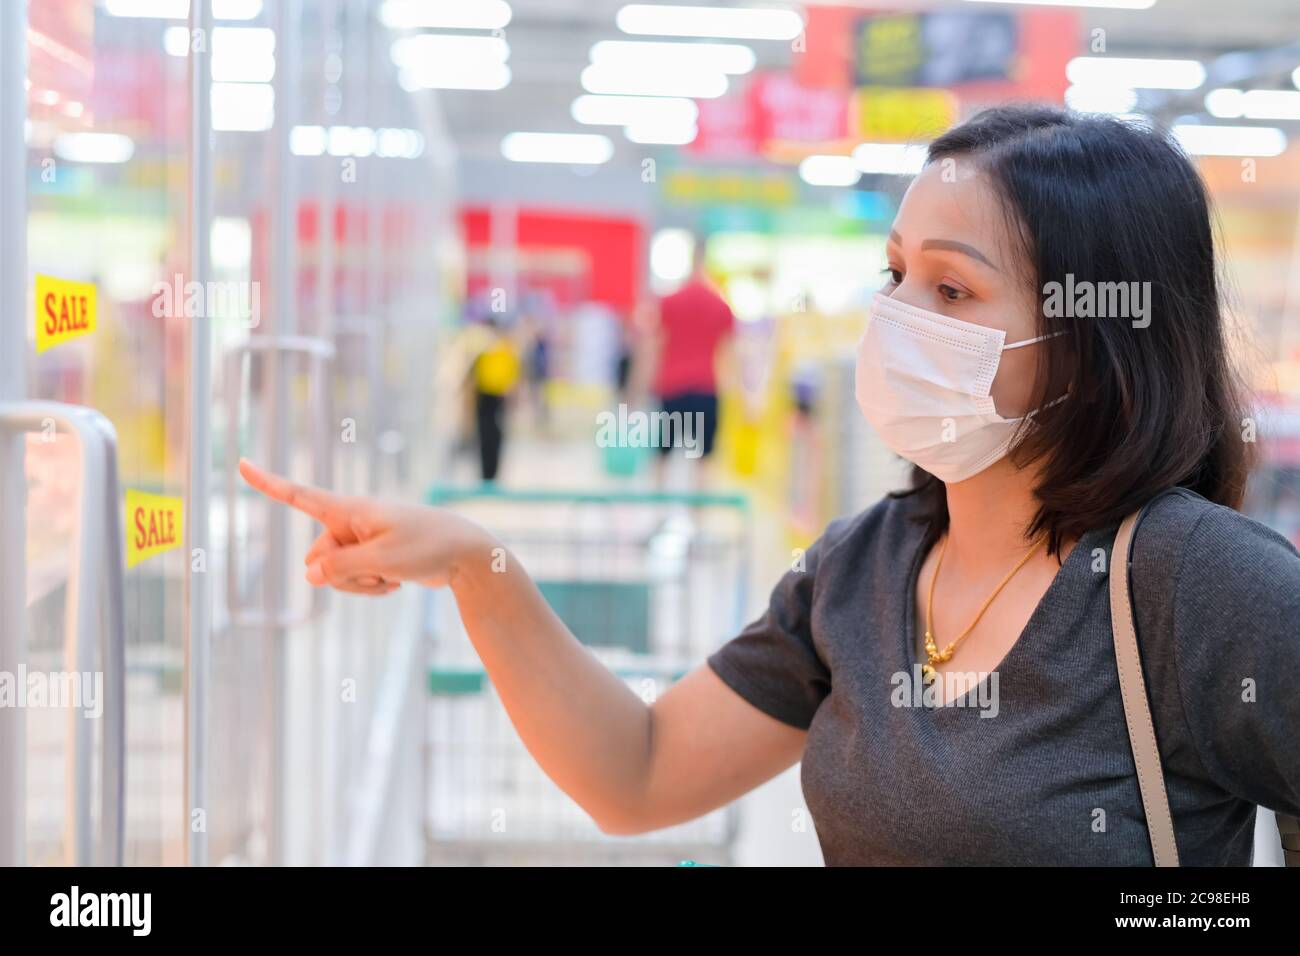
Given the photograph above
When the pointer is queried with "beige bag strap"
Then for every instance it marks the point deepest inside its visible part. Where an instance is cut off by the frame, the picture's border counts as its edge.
(1288, 828)
(1137, 712)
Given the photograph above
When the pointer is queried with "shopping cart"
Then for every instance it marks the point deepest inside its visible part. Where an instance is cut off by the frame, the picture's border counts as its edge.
(651, 582)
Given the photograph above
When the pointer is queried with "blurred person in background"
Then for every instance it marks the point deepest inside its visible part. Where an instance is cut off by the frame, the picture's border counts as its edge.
(539, 373)
(494, 375)
(623, 363)
(682, 340)
(536, 337)
(456, 374)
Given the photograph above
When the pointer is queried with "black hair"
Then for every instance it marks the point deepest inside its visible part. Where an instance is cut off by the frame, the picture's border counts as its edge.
(1104, 200)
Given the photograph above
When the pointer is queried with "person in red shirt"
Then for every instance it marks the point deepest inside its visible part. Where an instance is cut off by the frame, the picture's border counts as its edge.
(683, 336)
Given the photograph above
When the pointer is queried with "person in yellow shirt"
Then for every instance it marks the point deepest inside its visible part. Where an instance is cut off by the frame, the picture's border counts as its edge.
(495, 374)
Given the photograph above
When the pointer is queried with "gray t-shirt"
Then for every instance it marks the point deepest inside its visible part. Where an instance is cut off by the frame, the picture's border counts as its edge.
(1047, 778)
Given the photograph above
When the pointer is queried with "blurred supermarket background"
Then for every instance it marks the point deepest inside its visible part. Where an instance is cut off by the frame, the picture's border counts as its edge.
(428, 224)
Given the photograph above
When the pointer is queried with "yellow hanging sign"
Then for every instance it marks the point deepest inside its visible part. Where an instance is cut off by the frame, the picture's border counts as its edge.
(154, 524)
(64, 310)
(900, 115)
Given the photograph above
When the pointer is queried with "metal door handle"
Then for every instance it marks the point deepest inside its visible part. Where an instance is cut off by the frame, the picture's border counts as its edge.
(97, 574)
(322, 353)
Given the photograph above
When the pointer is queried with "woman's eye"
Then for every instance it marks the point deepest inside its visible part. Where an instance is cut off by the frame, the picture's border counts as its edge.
(893, 275)
(951, 293)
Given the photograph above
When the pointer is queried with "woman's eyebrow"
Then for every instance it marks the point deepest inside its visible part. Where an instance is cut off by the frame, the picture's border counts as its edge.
(951, 245)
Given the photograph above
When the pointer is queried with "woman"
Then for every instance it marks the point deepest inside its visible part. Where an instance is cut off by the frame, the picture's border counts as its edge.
(1036, 423)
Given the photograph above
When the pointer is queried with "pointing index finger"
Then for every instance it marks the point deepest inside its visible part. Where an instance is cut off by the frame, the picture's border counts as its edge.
(321, 505)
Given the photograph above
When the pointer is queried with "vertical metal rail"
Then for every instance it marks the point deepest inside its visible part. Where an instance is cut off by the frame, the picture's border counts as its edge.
(284, 274)
(13, 388)
(361, 637)
(198, 588)
(112, 661)
(322, 761)
(346, 729)
(376, 269)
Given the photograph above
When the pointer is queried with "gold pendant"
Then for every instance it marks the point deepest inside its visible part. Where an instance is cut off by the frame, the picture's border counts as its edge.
(928, 673)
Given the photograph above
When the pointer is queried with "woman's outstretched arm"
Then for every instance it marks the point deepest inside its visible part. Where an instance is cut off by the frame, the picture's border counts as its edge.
(632, 766)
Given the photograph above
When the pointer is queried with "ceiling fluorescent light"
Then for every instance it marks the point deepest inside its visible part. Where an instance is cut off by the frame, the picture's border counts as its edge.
(732, 58)
(94, 147)
(243, 107)
(592, 110)
(448, 51)
(730, 23)
(308, 140)
(581, 148)
(829, 171)
(243, 54)
(641, 81)
(1253, 104)
(442, 76)
(1135, 73)
(1101, 99)
(892, 159)
(1230, 140)
(447, 14)
(180, 9)
(661, 134)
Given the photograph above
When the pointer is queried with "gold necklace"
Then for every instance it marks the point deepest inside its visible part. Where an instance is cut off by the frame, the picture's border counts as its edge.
(934, 655)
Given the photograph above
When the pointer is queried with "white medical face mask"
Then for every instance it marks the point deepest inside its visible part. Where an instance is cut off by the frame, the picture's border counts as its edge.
(923, 383)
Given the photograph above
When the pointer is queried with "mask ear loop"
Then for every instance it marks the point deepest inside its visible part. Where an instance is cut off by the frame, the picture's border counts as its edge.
(1055, 401)
(1023, 342)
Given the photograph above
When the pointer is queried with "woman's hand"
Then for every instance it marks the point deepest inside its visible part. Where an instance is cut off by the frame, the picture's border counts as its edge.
(370, 546)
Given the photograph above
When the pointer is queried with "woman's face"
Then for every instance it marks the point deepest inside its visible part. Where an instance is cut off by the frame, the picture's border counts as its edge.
(950, 251)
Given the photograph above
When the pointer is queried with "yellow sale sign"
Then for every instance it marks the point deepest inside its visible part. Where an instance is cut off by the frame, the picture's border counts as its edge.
(911, 113)
(154, 524)
(64, 310)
